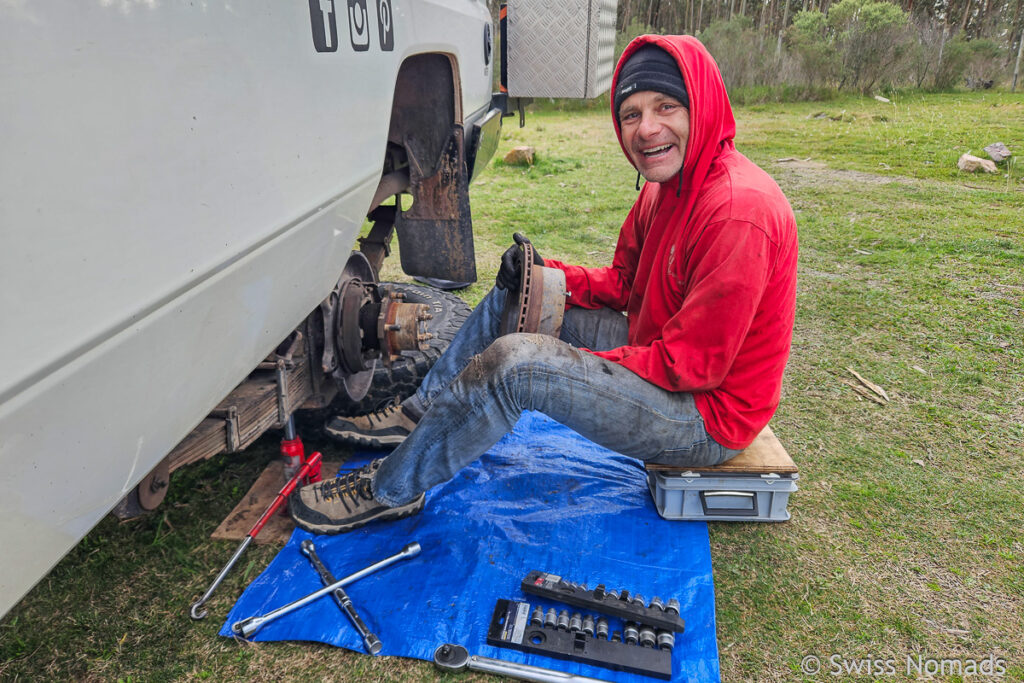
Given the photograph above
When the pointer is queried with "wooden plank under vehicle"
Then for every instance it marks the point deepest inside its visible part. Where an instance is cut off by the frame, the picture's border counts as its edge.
(264, 400)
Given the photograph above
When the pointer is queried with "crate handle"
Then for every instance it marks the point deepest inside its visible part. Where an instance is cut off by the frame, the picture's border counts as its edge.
(730, 511)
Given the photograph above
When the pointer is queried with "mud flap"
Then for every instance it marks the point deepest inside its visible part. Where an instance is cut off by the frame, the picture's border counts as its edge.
(435, 235)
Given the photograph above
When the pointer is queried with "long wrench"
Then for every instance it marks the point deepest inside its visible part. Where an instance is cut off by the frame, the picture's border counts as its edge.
(197, 612)
(247, 628)
(456, 658)
(372, 642)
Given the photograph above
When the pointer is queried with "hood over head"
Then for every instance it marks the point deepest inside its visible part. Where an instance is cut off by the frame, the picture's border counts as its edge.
(712, 126)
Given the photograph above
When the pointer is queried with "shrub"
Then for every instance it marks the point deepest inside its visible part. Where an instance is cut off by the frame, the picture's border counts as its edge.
(955, 56)
(924, 51)
(740, 52)
(984, 64)
(871, 38)
(809, 41)
(636, 28)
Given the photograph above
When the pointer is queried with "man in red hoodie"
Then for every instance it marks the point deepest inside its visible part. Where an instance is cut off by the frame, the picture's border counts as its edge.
(704, 270)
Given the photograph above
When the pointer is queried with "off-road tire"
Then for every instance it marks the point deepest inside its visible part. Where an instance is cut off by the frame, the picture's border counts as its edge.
(404, 376)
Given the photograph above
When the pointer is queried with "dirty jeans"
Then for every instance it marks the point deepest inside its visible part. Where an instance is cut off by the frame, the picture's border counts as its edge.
(476, 391)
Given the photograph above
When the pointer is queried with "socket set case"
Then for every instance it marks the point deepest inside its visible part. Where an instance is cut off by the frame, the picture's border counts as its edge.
(754, 486)
(512, 627)
(616, 603)
(560, 49)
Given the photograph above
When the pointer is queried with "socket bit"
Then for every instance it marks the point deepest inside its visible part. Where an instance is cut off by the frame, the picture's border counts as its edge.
(576, 622)
(646, 636)
(631, 633)
(563, 620)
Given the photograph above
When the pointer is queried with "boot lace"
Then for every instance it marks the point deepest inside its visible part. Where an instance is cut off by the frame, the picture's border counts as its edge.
(353, 487)
(381, 414)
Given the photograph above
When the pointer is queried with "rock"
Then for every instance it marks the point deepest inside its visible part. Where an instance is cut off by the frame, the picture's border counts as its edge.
(882, 99)
(998, 151)
(520, 156)
(973, 164)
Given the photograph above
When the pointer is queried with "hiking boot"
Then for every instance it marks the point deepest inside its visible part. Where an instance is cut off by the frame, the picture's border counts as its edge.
(334, 506)
(383, 428)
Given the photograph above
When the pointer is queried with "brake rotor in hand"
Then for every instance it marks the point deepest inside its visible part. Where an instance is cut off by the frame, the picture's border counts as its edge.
(539, 304)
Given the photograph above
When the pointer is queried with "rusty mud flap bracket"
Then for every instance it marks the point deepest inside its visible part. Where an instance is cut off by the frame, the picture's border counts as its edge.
(435, 235)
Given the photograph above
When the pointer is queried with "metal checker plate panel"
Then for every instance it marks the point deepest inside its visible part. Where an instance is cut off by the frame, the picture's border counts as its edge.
(560, 49)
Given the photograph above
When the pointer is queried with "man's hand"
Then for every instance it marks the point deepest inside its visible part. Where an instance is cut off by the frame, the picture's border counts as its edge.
(511, 271)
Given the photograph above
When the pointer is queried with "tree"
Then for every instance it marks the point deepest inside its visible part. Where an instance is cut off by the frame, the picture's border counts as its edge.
(735, 47)
(954, 62)
(925, 55)
(808, 38)
(871, 38)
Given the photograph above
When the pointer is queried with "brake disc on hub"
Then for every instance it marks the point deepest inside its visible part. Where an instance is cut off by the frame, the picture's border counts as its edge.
(539, 305)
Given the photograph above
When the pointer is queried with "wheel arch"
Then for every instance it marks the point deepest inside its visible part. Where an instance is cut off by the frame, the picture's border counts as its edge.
(427, 103)
(427, 158)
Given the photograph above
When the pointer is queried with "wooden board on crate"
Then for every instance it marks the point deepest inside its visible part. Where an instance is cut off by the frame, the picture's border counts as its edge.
(262, 493)
(764, 456)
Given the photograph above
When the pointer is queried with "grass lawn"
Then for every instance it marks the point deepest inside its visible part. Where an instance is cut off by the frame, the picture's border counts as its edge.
(906, 532)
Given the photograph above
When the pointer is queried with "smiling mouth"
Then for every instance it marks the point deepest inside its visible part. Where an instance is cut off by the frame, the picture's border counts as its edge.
(655, 152)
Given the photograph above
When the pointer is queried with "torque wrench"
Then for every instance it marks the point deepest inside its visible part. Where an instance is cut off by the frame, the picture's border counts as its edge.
(248, 627)
(372, 642)
(197, 612)
(456, 658)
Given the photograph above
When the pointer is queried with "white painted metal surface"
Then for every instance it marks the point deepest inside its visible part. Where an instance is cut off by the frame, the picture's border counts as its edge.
(180, 184)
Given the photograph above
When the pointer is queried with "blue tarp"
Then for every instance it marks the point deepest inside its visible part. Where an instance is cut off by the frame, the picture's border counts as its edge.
(542, 498)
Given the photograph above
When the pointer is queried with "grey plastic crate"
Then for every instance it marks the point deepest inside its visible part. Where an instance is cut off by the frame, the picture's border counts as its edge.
(727, 497)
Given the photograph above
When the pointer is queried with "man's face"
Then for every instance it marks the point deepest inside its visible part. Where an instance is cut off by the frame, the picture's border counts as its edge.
(655, 128)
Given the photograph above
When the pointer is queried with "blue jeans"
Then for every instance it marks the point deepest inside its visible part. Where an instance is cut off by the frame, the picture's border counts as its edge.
(480, 386)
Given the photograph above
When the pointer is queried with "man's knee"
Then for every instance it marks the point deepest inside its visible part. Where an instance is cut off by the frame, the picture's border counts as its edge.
(517, 352)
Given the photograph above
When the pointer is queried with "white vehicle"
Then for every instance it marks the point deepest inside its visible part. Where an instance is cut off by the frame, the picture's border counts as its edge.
(182, 185)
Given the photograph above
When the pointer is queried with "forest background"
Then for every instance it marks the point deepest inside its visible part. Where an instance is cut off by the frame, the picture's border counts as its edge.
(791, 50)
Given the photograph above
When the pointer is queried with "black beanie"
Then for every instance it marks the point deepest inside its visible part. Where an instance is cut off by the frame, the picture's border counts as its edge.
(650, 68)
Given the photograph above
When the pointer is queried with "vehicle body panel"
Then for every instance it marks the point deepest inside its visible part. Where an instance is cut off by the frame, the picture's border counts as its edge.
(180, 185)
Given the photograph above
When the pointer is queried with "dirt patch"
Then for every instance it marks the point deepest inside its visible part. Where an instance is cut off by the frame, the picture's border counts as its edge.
(810, 173)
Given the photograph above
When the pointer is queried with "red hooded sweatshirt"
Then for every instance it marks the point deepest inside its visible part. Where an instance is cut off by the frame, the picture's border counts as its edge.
(708, 277)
